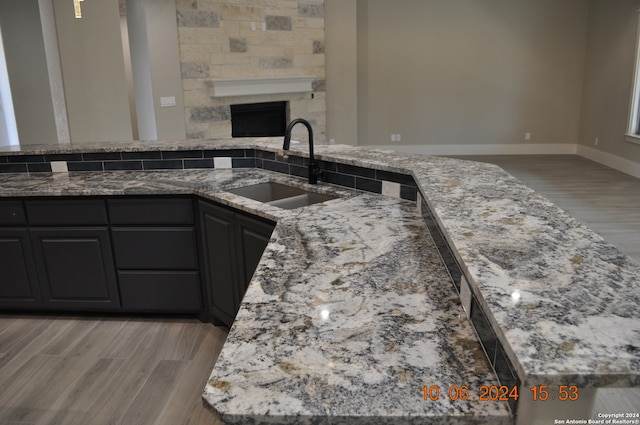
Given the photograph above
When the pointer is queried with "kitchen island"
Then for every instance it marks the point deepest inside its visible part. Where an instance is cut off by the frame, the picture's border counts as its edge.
(552, 303)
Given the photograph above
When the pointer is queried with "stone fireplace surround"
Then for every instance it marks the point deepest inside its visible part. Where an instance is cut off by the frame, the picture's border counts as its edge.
(242, 40)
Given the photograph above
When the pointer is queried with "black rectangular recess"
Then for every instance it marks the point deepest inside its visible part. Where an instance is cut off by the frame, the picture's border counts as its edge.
(259, 119)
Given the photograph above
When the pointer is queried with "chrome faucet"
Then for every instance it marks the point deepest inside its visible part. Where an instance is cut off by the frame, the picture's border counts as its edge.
(314, 168)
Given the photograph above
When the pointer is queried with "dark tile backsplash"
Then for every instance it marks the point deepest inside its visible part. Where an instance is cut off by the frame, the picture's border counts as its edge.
(141, 155)
(63, 157)
(181, 154)
(492, 346)
(352, 176)
(238, 153)
(42, 167)
(122, 165)
(25, 159)
(198, 163)
(162, 164)
(13, 168)
(102, 156)
(362, 178)
(85, 166)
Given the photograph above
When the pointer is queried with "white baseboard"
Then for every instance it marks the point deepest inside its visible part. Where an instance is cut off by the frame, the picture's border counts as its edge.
(615, 162)
(496, 149)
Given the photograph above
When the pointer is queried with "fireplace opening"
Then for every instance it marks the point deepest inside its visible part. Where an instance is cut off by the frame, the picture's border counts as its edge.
(259, 119)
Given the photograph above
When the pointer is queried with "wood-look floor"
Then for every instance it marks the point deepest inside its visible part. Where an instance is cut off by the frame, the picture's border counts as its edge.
(91, 370)
(74, 370)
(604, 199)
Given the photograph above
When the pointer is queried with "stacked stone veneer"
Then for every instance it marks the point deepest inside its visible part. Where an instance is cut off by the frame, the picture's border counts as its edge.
(218, 41)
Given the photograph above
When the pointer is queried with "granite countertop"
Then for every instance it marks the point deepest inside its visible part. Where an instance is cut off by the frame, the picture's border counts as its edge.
(562, 302)
(350, 313)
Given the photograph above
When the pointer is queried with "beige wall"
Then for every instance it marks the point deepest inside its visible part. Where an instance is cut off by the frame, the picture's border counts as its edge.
(469, 72)
(93, 71)
(613, 27)
(27, 70)
(155, 56)
(341, 70)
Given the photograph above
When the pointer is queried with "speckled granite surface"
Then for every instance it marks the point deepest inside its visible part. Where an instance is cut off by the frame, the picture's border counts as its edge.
(349, 315)
(561, 300)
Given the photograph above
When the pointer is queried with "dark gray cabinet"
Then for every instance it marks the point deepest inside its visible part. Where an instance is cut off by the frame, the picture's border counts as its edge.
(128, 254)
(252, 237)
(72, 253)
(232, 244)
(75, 268)
(156, 254)
(19, 288)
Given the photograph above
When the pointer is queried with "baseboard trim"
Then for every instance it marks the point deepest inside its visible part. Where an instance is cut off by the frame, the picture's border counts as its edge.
(615, 162)
(489, 149)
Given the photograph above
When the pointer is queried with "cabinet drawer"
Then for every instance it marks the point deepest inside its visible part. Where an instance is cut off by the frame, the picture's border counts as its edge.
(66, 212)
(12, 213)
(150, 211)
(155, 248)
(160, 291)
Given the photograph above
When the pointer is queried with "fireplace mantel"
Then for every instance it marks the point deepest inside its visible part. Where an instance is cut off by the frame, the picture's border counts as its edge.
(258, 86)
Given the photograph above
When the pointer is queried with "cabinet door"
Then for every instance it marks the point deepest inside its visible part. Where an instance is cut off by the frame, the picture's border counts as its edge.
(252, 238)
(19, 285)
(219, 261)
(75, 268)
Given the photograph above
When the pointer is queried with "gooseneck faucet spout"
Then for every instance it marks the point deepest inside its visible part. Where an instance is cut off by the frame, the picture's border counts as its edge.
(314, 169)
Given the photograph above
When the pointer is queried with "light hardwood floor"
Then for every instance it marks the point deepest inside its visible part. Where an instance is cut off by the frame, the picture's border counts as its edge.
(91, 370)
(75, 370)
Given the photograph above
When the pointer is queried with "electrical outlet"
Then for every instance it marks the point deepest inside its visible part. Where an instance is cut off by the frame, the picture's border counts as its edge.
(398, 138)
(527, 136)
(167, 101)
(595, 142)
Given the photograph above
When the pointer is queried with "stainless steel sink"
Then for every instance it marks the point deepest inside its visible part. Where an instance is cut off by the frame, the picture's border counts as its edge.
(281, 195)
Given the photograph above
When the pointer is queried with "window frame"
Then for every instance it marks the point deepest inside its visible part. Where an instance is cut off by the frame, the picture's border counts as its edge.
(633, 125)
